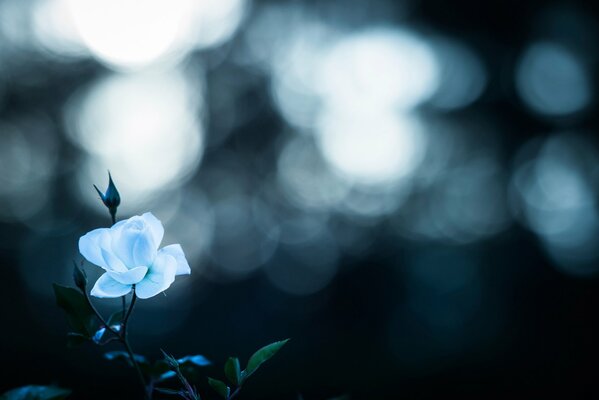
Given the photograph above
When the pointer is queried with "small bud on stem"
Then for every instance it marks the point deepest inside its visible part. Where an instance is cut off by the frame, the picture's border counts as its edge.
(111, 198)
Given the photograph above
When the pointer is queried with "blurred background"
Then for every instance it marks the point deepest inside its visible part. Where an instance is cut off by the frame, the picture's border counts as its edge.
(407, 189)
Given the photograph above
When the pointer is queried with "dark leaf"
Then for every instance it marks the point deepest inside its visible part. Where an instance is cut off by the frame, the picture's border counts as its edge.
(124, 356)
(197, 360)
(98, 335)
(79, 277)
(220, 387)
(187, 365)
(170, 360)
(75, 339)
(80, 315)
(116, 318)
(165, 375)
(262, 355)
(233, 370)
(36, 392)
(160, 371)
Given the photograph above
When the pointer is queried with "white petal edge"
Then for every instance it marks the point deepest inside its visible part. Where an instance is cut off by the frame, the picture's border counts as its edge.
(91, 244)
(155, 227)
(118, 224)
(131, 277)
(159, 278)
(176, 251)
(113, 263)
(106, 287)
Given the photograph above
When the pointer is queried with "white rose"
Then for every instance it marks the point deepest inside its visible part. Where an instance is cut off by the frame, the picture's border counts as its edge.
(128, 251)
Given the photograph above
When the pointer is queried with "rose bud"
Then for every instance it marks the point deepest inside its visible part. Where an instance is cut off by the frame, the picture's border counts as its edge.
(111, 198)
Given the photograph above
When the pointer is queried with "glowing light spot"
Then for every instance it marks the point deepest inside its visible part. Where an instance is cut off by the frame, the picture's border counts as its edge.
(143, 128)
(553, 80)
(53, 27)
(556, 201)
(14, 20)
(371, 148)
(129, 34)
(379, 68)
(296, 72)
(214, 21)
(273, 23)
(463, 76)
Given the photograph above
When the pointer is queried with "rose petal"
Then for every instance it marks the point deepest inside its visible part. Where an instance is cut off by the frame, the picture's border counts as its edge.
(112, 262)
(133, 243)
(130, 277)
(118, 225)
(144, 250)
(155, 227)
(107, 287)
(160, 276)
(176, 251)
(91, 244)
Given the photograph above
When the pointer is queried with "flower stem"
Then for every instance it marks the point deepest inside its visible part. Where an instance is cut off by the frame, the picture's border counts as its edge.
(140, 374)
(191, 393)
(124, 304)
(100, 317)
(129, 311)
(123, 298)
(122, 336)
(125, 341)
(235, 393)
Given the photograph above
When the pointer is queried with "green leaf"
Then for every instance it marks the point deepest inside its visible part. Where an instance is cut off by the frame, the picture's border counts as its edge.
(80, 315)
(219, 386)
(36, 392)
(116, 318)
(262, 355)
(75, 339)
(233, 370)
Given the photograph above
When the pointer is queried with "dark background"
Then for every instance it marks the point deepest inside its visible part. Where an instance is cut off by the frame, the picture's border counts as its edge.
(478, 280)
